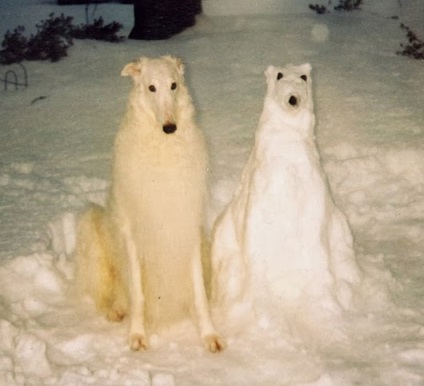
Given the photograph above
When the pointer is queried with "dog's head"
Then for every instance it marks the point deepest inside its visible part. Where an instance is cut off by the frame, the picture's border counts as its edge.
(290, 87)
(158, 84)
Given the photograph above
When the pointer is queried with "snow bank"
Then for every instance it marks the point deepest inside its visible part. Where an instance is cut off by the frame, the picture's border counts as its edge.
(249, 7)
(387, 8)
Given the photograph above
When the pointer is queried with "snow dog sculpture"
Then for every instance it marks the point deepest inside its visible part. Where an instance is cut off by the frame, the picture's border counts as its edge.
(281, 239)
(141, 254)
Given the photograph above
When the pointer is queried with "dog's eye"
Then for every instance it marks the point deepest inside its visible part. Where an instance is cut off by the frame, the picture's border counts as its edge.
(173, 85)
(279, 75)
(304, 77)
(152, 88)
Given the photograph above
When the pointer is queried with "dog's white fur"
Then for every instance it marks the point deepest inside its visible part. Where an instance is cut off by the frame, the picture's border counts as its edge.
(141, 254)
(281, 237)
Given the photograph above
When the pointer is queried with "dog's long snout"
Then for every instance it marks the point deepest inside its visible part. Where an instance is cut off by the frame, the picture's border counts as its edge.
(169, 128)
(294, 101)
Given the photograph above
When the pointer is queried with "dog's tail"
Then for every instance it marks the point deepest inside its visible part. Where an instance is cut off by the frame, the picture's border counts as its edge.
(95, 273)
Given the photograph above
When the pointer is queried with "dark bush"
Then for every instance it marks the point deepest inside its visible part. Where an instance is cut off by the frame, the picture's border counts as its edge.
(53, 48)
(98, 31)
(318, 8)
(344, 5)
(53, 38)
(348, 5)
(415, 48)
(14, 46)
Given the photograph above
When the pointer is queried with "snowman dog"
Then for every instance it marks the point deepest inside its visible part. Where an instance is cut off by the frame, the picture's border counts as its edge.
(281, 238)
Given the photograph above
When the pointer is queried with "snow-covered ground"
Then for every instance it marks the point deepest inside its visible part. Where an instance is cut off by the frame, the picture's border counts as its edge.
(55, 143)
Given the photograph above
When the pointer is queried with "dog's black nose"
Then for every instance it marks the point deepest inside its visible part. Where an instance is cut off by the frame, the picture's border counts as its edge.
(169, 128)
(293, 100)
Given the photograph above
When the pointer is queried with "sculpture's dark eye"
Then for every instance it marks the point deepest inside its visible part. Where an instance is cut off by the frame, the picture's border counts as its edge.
(304, 77)
(279, 75)
(152, 88)
(173, 85)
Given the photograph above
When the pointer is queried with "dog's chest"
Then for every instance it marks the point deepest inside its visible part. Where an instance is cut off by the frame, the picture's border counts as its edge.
(159, 178)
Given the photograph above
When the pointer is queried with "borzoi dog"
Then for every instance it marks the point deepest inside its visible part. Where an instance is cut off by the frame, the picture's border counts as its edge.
(141, 254)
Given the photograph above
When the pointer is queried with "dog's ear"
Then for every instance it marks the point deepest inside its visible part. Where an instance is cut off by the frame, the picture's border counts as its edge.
(133, 69)
(175, 61)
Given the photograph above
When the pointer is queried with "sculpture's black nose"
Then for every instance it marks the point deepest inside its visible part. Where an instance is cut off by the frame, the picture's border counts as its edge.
(293, 100)
(169, 128)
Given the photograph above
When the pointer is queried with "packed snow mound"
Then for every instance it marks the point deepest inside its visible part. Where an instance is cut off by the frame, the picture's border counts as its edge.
(282, 241)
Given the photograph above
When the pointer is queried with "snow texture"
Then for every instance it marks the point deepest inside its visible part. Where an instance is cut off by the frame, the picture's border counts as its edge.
(56, 143)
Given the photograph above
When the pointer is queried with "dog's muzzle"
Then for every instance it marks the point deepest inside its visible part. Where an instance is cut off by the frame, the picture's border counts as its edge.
(169, 128)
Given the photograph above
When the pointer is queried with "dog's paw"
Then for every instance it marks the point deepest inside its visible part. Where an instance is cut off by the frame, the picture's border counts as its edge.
(138, 342)
(214, 343)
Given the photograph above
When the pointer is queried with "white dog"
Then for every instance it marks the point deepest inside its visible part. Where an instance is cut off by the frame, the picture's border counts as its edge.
(142, 253)
(281, 238)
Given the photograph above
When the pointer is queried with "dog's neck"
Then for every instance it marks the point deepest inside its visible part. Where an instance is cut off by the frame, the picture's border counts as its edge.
(288, 127)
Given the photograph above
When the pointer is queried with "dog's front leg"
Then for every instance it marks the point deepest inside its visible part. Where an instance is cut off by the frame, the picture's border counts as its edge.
(137, 334)
(210, 338)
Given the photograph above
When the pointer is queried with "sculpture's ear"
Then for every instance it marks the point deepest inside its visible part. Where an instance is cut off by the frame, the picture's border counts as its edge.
(270, 74)
(306, 68)
(134, 69)
(177, 62)
(274, 74)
